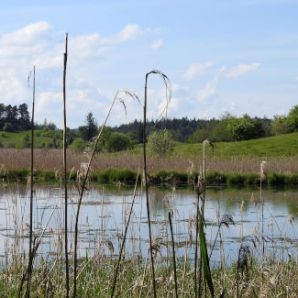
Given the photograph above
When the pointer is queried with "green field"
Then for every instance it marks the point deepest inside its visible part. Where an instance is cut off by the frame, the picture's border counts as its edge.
(19, 140)
(281, 145)
(276, 146)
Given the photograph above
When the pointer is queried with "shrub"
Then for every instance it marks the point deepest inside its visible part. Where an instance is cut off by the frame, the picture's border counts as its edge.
(161, 142)
(78, 145)
(117, 142)
(235, 180)
(276, 179)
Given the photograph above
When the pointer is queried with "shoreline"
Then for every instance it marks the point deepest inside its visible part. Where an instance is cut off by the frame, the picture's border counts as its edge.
(127, 177)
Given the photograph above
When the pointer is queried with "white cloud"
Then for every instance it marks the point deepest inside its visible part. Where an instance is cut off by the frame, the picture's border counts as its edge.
(129, 32)
(26, 35)
(157, 44)
(208, 90)
(12, 89)
(197, 69)
(241, 69)
(38, 44)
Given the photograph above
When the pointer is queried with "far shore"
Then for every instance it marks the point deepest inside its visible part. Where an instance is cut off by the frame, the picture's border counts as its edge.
(122, 167)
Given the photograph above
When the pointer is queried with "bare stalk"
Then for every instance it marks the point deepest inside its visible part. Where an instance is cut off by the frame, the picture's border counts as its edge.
(28, 273)
(31, 191)
(65, 170)
(83, 183)
(124, 238)
(168, 96)
(196, 248)
(174, 255)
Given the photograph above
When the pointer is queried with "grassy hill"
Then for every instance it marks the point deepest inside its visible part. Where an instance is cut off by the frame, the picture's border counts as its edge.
(282, 145)
(19, 140)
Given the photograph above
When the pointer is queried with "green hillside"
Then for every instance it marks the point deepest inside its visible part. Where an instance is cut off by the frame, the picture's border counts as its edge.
(20, 140)
(282, 145)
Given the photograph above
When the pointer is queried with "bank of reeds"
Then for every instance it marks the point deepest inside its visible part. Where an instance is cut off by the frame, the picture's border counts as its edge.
(165, 178)
(51, 159)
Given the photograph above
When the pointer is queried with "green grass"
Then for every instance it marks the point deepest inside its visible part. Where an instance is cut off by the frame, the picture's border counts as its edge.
(282, 145)
(43, 139)
(273, 279)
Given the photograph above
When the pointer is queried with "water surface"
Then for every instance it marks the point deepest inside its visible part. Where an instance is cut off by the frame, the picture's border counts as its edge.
(104, 214)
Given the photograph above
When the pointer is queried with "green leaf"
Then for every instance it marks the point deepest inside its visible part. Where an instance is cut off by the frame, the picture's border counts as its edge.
(204, 256)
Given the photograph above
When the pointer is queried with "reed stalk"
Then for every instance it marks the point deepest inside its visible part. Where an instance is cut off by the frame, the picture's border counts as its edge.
(31, 191)
(174, 255)
(168, 97)
(28, 273)
(65, 170)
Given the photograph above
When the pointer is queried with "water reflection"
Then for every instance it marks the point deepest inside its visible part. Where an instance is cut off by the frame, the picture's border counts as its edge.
(104, 215)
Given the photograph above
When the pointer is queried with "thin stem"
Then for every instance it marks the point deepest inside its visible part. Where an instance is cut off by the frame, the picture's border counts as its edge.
(168, 96)
(196, 250)
(65, 171)
(174, 255)
(147, 188)
(30, 263)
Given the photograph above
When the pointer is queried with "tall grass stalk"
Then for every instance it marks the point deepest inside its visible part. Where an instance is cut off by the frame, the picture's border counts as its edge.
(168, 97)
(174, 254)
(124, 238)
(31, 191)
(262, 179)
(65, 169)
(28, 273)
(83, 182)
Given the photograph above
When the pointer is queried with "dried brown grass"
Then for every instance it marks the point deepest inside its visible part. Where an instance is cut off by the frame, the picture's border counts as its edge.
(51, 160)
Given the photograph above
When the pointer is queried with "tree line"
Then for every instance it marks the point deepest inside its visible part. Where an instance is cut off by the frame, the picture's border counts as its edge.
(227, 128)
(14, 118)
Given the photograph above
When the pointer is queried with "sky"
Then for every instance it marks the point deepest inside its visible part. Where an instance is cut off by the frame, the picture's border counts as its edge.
(224, 56)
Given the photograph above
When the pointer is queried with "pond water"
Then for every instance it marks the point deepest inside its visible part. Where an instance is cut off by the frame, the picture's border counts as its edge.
(104, 214)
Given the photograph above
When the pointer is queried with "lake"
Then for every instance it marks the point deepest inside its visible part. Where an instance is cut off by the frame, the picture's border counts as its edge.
(104, 214)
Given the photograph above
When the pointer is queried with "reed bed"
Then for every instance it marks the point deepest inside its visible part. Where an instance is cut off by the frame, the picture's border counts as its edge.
(51, 159)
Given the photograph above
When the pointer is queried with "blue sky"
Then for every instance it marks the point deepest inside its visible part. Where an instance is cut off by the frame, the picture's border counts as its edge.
(222, 56)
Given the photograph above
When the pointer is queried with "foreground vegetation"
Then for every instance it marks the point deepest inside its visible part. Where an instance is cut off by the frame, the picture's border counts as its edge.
(273, 279)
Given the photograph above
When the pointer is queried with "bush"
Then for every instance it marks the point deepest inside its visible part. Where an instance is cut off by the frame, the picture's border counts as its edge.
(78, 145)
(215, 178)
(276, 179)
(292, 119)
(161, 142)
(279, 125)
(117, 142)
(114, 175)
(235, 180)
